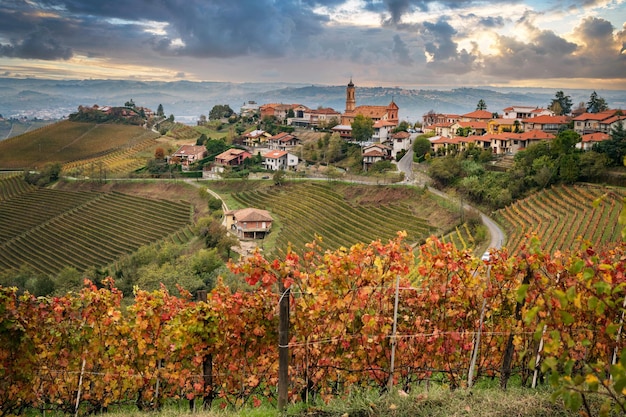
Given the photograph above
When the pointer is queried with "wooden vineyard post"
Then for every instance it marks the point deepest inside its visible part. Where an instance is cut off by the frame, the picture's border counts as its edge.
(393, 336)
(283, 347)
(207, 368)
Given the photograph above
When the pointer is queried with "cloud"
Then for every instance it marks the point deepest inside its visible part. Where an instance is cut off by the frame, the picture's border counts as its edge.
(36, 45)
(401, 52)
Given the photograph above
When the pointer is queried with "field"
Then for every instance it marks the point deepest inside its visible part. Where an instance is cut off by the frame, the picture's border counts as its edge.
(563, 215)
(343, 215)
(49, 229)
(70, 142)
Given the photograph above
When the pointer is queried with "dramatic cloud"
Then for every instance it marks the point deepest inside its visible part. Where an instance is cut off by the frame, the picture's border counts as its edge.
(36, 45)
(321, 41)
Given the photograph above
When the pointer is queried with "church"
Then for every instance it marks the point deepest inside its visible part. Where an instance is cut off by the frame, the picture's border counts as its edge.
(387, 114)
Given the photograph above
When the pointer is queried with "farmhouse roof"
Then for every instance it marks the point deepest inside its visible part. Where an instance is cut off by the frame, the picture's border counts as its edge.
(251, 214)
(190, 150)
(479, 114)
(560, 120)
(595, 137)
(275, 154)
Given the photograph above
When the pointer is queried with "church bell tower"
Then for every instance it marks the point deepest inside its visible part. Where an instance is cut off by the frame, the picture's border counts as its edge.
(350, 99)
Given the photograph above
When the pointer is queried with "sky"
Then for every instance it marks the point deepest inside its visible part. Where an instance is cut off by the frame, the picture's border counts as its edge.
(387, 43)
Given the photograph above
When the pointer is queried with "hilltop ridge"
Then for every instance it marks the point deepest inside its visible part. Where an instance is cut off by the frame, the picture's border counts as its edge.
(188, 100)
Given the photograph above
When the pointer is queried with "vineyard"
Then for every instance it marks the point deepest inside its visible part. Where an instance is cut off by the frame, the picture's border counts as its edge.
(545, 320)
(559, 216)
(49, 229)
(67, 142)
(305, 210)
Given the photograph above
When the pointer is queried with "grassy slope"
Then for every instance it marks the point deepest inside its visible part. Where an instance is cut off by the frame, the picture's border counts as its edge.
(68, 141)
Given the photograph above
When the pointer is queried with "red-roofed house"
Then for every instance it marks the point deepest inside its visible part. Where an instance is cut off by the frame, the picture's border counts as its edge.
(525, 112)
(255, 137)
(382, 129)
(374, 153)
(230, 158)
(597, 122)
(476, 116)
(590, 139)
(249, 223)
(550, 124)
(187, 155)
(432, 118)
(475, 128)
(282, 141)
(280, 160)
(400, 141)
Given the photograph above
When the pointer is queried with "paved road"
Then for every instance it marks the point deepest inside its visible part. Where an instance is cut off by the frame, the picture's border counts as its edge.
(415, 177)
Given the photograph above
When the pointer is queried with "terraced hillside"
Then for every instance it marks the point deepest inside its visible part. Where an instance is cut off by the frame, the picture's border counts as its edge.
(49, 229)
(343, 216)
(68, 142)
(563, 214)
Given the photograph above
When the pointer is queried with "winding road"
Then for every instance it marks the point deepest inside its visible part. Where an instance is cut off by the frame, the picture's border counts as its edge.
(412, 177)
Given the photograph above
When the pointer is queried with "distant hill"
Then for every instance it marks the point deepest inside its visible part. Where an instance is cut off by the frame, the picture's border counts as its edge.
(188, 100)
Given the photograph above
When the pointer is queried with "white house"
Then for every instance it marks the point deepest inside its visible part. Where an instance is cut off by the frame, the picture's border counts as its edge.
(280, 160)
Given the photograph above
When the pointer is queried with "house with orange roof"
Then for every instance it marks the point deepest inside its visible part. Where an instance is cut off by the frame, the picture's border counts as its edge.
(230, 158)
(382, 130)
(476, 116)
(551, 124)
(249, 223)
(279, 111)
(399, 141)
(282, 141)
(525, 112)
(587, 141)
(375, 153)
(255, 138)
(187, 155)
(439, 129)
(475, 128)
(502, 124)
(432, 118)
(597, 122)
(314, 117)
(280, 160)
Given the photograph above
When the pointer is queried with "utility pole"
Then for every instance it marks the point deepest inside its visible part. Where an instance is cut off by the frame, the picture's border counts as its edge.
(283, 346)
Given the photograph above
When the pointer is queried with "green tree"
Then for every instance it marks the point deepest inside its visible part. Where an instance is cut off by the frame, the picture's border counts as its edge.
(421, 147)
(445, 170)
(278, 177)
(564, 104)
(130, 103)
(160, 111)
(362, 128)
(615, 147)
(201, 140)
(403, 126)
(592, 164)
(596, 103)
(564, 142)
(291, 114)
(220, 111)
(481, 105)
